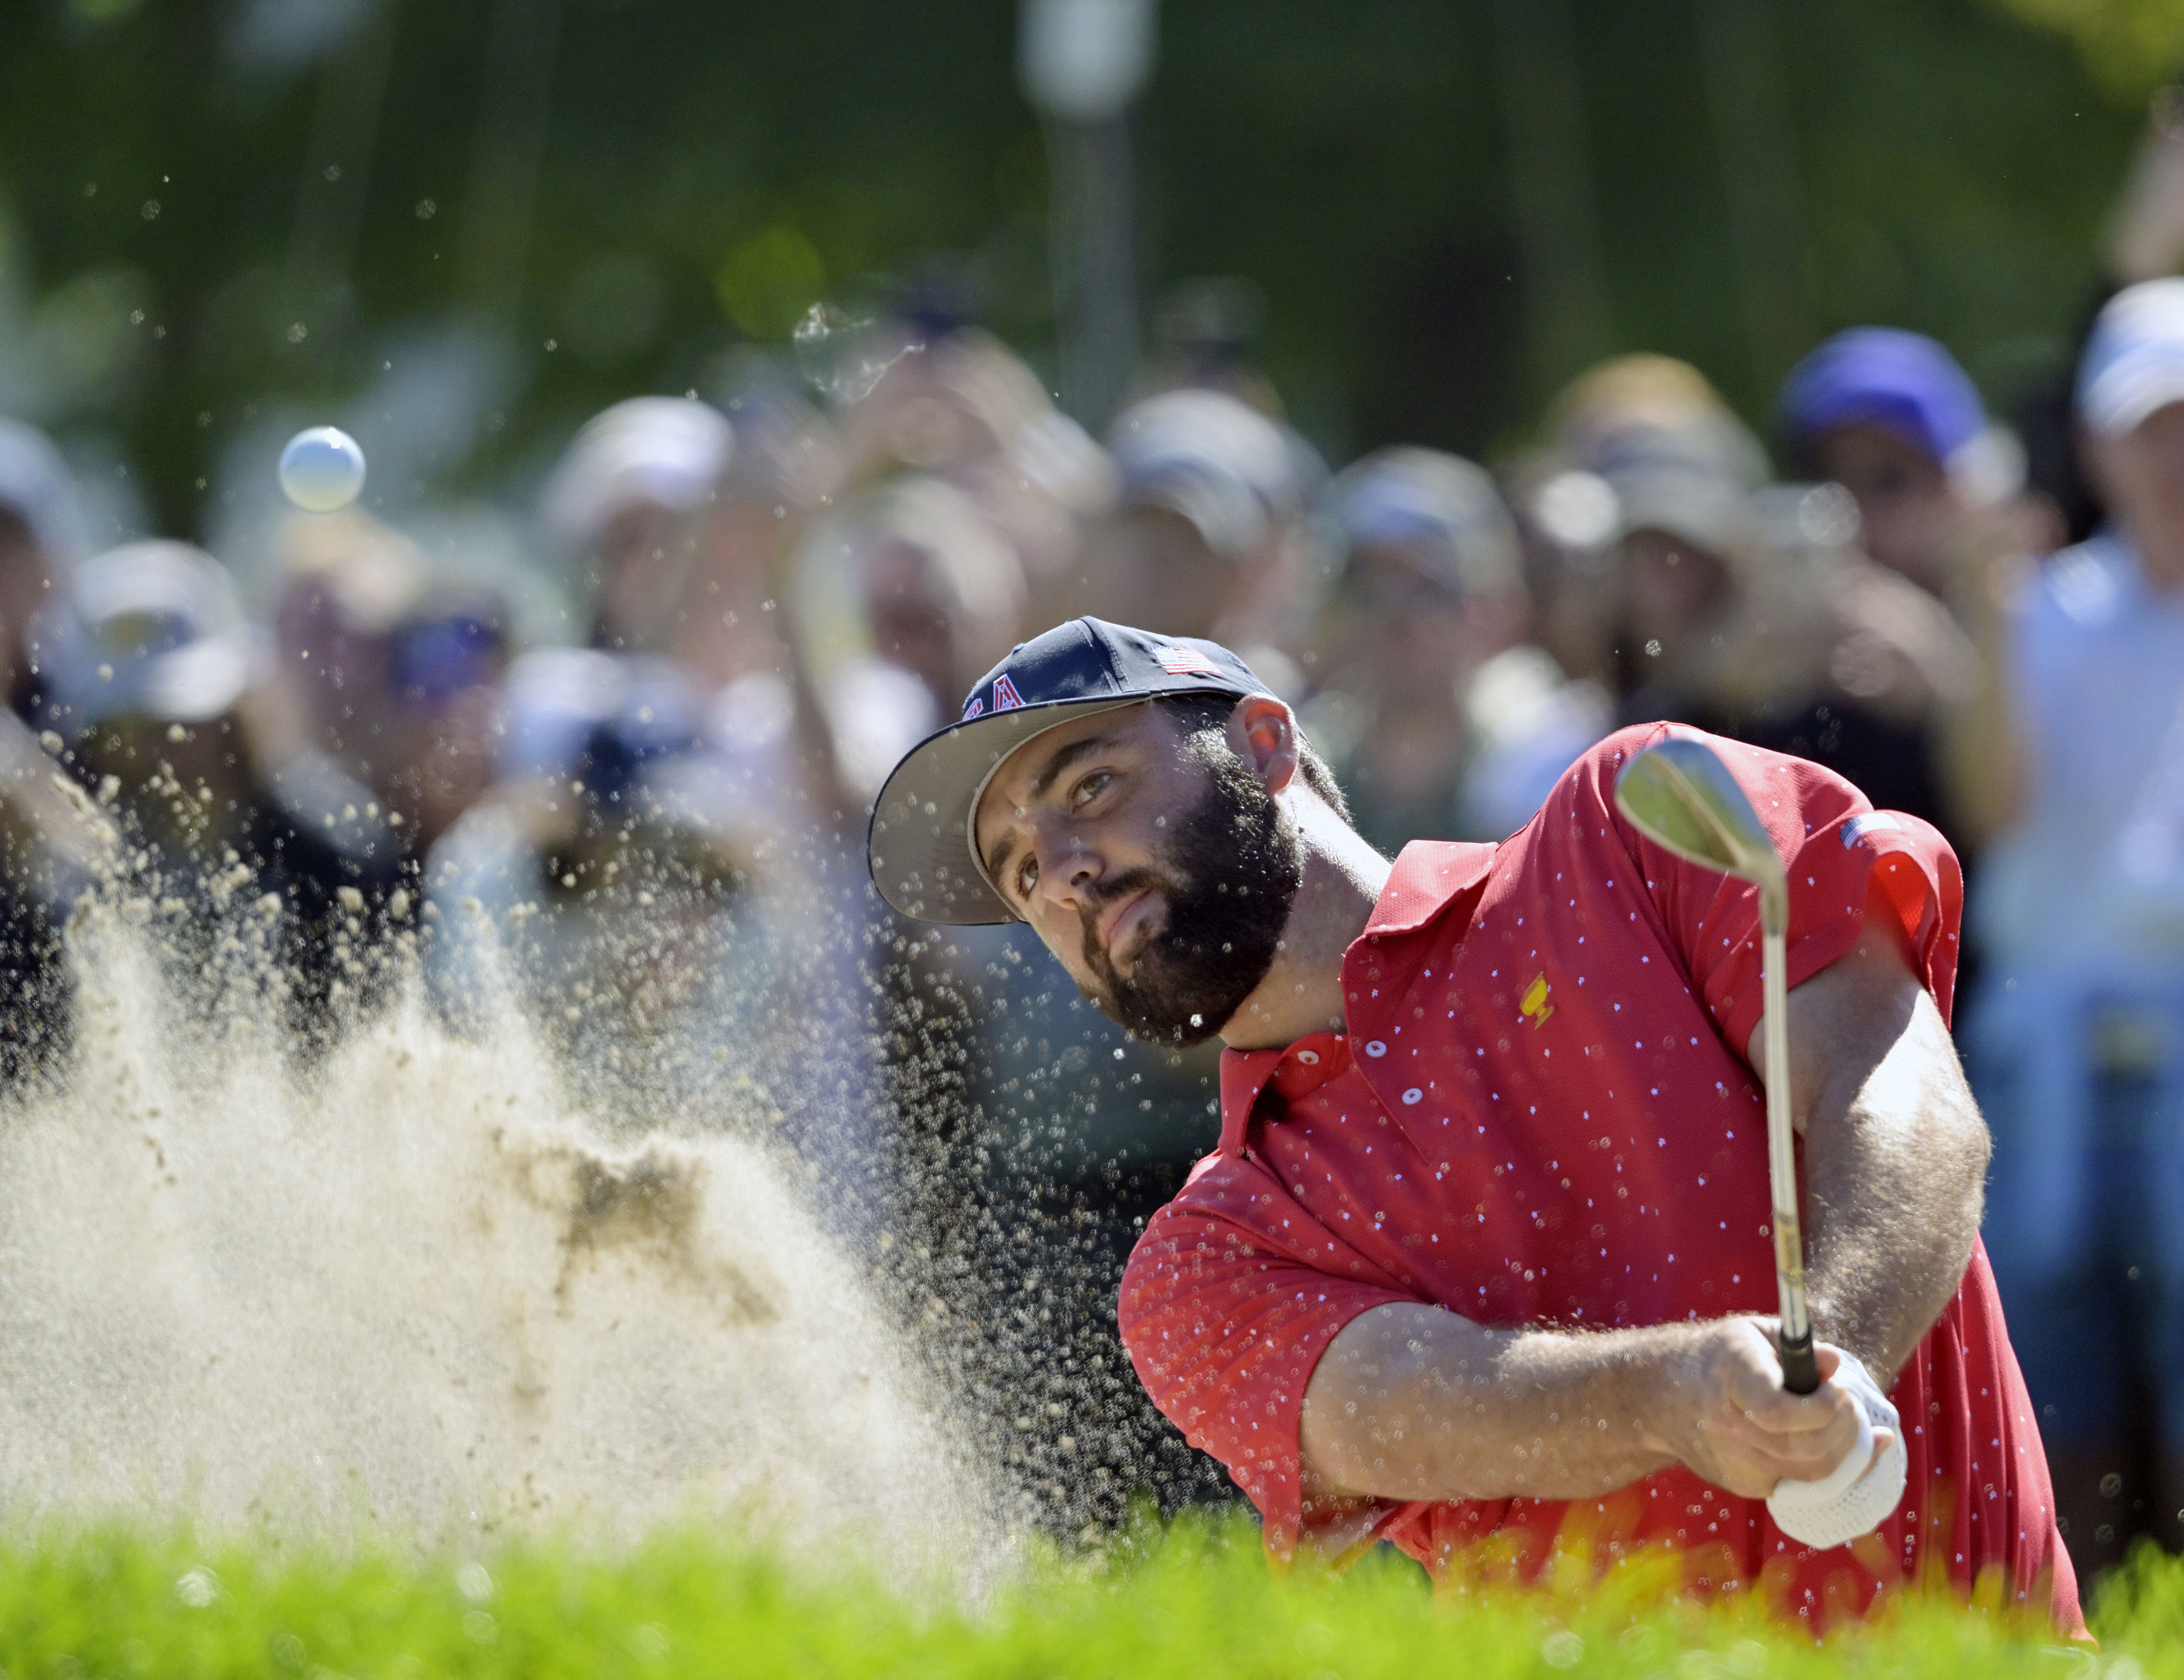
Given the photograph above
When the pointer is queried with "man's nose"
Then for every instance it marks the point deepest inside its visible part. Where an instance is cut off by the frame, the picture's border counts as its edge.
(1069, 870)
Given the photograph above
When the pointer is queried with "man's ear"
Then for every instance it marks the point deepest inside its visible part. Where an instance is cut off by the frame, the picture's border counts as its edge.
(1262, 732)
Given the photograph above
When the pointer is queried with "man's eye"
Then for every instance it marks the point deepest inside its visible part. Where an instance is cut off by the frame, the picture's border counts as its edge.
(1089, 788)
(1027, 876)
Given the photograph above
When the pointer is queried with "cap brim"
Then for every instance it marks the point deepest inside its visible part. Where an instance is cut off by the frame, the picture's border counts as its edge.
(1702, 519)
(2133, 388)
(919, 843)
(194, 684)
(1227, 517)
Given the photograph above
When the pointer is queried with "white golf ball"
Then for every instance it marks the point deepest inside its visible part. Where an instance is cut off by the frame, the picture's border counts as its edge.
(322, 470)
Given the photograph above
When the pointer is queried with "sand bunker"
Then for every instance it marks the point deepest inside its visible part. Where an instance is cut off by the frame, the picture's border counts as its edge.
(413, 1287)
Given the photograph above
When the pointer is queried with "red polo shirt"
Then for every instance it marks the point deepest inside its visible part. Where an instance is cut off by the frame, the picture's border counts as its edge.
(1541, 1115)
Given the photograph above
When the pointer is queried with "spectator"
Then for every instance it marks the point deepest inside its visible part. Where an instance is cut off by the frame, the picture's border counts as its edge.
(1428, 593)
(951, 402)
(895, 601)
(627, 891)
(2077, 1036)
(1567, 513)
(632, 862)
(620, 502)
(1754, 615)
(597, 865)
(152, 675)
(1890, 416)
(346, 581)
(447, 658)
(393, 678)
(783, 469)
(1210, 538)
(1695, 630)
(1733, 605)
(2144, 240)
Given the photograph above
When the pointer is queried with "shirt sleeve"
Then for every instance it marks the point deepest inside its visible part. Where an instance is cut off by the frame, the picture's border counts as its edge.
(1834, 846)
(1225, 1317)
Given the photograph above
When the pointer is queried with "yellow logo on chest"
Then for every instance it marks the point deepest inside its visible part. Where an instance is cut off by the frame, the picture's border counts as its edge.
(1534, 1004)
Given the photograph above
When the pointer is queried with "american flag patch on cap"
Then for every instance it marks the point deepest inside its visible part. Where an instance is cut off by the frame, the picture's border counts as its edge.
(1178, 661)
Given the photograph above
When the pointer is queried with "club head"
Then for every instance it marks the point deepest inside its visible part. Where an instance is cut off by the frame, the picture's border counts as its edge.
(1680, 795)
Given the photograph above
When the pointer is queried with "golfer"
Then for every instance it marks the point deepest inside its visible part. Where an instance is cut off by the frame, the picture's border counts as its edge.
(1484, 1254)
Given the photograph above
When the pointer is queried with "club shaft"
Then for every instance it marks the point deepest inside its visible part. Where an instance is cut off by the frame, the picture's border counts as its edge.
(1799, 1374)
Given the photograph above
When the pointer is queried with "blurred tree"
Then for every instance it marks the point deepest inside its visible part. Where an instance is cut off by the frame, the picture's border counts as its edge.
(2131, 46)
(218, 213)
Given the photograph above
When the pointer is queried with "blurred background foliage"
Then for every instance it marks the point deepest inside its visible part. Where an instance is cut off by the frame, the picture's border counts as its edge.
(462, 228)
(2131, 46)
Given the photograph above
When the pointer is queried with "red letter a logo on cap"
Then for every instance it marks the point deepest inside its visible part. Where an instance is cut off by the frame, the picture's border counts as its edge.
(1005, 698)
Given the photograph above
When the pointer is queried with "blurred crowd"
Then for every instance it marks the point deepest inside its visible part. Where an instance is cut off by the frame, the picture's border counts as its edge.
(648, 842)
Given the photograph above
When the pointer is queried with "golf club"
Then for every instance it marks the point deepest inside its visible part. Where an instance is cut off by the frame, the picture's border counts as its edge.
(1680, 795)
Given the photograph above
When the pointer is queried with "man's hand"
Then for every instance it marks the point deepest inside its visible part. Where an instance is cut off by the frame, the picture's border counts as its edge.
(1720, 1407)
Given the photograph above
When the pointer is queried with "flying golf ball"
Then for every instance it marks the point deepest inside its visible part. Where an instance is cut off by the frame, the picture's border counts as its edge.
(322, 470)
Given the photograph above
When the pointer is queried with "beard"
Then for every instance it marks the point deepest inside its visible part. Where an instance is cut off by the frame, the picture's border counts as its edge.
(1229, 876)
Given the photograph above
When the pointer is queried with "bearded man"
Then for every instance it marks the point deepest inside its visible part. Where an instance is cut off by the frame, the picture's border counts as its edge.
(1481, 1266)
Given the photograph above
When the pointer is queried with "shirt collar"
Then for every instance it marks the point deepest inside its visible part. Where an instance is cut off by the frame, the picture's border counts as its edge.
(1427, 878)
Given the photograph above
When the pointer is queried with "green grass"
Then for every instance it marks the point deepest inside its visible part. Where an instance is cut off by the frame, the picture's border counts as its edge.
(1194, 1600)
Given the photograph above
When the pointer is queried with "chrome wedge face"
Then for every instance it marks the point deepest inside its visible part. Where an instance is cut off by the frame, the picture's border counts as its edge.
(1681, 795)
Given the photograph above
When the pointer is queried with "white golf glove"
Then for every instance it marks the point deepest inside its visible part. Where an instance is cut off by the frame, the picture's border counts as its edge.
(1849, 1501)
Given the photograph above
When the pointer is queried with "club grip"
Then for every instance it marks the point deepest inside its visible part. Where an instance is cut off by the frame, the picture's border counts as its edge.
(1801, 1372)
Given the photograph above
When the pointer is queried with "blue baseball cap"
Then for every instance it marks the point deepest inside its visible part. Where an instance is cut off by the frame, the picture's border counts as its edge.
(921, 846)
(1902, 383)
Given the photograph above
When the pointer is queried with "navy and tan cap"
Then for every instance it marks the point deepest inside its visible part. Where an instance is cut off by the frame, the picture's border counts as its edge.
(924, 854)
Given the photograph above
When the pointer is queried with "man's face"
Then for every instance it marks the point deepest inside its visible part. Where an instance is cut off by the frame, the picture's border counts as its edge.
(1669, 585)
(1906, 508)
(913, 622)
(1396, 628)
(1159, 871)
(1152, 566)
(340, 670)
(636, 575)
(2142, 474)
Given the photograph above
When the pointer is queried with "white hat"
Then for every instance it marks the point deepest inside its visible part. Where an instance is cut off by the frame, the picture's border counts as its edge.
(150, 630)
(1445, 510)
(666, 451)
(1220, 464)
(2134, 362)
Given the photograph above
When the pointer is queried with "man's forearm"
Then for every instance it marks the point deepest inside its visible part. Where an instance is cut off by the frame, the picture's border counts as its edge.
(1414, 1402)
